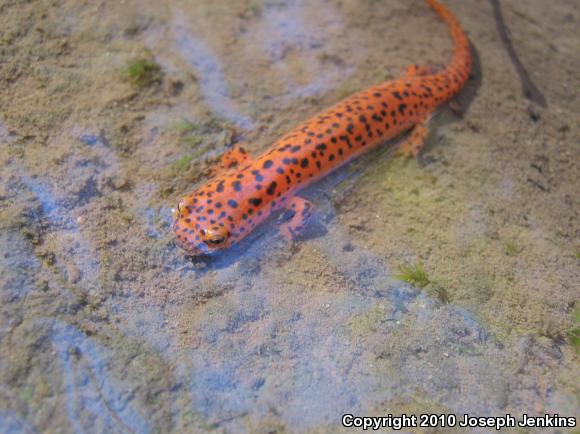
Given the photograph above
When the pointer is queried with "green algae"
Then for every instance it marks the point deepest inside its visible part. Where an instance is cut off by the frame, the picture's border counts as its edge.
(143, 72)
(511, 249)
(183, 126)
(413, 274)
(182, 163)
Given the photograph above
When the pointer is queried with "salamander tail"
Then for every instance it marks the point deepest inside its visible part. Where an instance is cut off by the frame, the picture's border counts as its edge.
(460, 66)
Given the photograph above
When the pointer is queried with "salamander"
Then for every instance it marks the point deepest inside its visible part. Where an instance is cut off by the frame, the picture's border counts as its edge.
(247, 190)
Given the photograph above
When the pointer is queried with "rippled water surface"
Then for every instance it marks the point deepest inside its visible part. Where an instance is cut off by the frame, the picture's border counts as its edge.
(105, 326)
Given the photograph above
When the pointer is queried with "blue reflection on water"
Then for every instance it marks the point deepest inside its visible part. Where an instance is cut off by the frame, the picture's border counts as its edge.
(11, 423)
(290, 28)
(213, 82)
(95, 401)
(60, 218)
(49, 206)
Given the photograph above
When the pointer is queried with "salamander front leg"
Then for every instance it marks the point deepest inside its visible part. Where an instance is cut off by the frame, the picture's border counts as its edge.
(230, 159)
(302, 210)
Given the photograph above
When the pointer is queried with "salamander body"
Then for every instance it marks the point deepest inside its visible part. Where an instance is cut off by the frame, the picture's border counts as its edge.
(228, 207)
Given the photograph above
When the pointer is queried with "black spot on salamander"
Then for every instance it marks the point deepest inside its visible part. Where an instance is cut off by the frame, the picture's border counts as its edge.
(267, 164)
(321, 147)
(220, 187)
(304, 163)
(237, 185)
(280, 170)
(271, 188)
(402, 108)
(397, 95)
(295, 149)
(232, 203)
(255, 201)
(258, 176)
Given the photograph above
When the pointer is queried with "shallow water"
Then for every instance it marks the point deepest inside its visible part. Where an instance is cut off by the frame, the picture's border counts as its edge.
(106, 326)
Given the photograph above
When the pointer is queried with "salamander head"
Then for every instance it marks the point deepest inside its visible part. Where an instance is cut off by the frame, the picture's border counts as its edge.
(200, 229)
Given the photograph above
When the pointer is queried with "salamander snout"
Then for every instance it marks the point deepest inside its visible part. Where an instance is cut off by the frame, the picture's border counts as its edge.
(197, 233)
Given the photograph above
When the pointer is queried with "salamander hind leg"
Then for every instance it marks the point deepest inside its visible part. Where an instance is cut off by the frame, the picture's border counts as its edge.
(302, 210)
(230, 159)
(414, 142)
(418, 70)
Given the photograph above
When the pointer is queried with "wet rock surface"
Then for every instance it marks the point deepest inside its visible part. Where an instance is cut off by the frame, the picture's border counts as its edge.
(447, 285)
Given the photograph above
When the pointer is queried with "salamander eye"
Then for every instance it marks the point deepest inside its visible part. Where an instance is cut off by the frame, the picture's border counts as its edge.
(214, 236)
(176, 212)
(216, 240)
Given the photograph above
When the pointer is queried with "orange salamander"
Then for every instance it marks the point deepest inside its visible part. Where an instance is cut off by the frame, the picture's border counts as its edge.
(247, 191)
